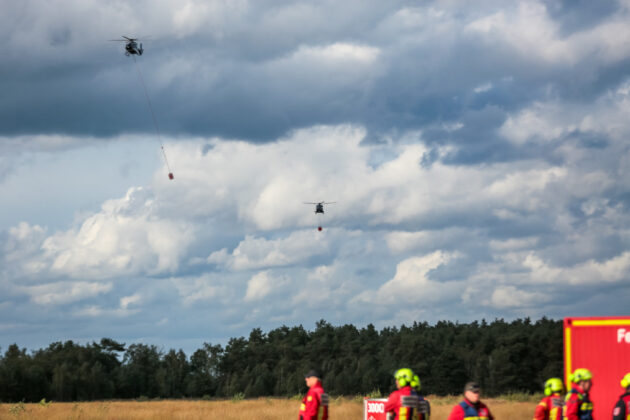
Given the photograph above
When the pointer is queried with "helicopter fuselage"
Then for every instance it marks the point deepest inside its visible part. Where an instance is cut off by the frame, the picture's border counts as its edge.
(133, 48)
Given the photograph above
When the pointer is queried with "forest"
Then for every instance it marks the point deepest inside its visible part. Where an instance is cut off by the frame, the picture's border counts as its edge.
(504, 357)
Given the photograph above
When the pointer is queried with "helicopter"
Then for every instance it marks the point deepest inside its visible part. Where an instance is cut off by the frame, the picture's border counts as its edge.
(319, 209)
(131, 46)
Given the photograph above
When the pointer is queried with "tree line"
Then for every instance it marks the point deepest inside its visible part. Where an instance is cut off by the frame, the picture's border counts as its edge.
(502, 356)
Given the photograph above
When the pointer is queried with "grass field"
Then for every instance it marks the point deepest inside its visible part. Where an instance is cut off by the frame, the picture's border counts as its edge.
(263, 408)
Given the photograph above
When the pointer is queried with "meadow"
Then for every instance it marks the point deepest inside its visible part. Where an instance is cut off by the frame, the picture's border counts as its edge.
(262, 408)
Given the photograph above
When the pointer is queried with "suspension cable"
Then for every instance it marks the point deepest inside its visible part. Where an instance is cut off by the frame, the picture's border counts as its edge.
(155, 123)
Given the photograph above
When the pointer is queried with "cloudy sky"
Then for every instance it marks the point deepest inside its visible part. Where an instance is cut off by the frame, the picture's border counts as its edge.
(477, 153)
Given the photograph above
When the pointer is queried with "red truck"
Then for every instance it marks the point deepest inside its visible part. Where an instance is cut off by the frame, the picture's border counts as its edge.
(601, 345)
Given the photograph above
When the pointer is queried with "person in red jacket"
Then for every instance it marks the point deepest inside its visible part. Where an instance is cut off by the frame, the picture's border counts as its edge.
(471, 407)
(550, 407)
(622, 408)
(402, 403)
(578, 405)
(315, 403)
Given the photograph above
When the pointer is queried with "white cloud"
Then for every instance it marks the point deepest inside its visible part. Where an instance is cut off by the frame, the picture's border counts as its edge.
(125, 301)
(128, 236)
(61, 293)
(403, 241)
(262, 285)
(194, 16)
(511, 297)
(203, 288)
(320, 289)
(513, 244)
(412, 283)
(22, 248)
(483, 87)
(254, 253)
(613, 270)
(96, 311)
(529, 30)
(337, 52)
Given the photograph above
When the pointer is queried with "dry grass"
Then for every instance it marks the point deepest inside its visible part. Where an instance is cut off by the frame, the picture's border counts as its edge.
(263, 408)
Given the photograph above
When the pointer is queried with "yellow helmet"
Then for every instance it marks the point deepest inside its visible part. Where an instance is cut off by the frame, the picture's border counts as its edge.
(553, 385)
(404, 376)
(415, 383)
(625, 381)
(580, 375)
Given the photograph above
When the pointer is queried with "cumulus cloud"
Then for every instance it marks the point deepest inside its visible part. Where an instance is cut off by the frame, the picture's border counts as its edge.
(126, 237)
(613, 270)
(412, 282)
(262, 284)
(254, 253)
(202, 288)
(65, 292)
(511, 297)
(123, 310)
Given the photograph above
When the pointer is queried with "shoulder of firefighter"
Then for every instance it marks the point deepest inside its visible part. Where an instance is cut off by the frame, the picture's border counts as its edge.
(578, 406)
(466, 411)
(621, 411)
(406, 404)
(549, 408)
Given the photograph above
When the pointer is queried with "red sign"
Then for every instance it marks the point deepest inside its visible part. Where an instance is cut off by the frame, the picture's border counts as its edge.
(601, 345)
(374, 409)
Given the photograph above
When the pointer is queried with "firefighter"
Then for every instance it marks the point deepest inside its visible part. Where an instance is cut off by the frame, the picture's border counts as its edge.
(424, 408)
(550, 407)
(622, 408)
(402, 403)
(578, 405)
(315, 403)
(471, 407)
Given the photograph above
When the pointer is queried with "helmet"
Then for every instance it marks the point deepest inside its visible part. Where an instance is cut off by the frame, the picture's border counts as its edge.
(580, 375)
(625, 381)
(553, 386)
(415, 382)
(404, 376)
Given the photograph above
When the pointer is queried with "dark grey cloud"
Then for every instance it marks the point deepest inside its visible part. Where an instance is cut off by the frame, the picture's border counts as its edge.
(236, 71)
(581, 14)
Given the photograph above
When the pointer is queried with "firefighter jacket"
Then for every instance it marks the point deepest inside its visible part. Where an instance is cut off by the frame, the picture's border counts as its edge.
(578, 405)
(622, 408)
(315, 404)
(549, 408)
(403, 403)
(466, 410)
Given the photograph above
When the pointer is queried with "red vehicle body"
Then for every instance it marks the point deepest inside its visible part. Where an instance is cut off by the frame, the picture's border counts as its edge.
(601, 345)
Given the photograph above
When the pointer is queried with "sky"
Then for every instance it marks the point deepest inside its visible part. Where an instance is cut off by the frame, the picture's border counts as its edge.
(476, 153)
